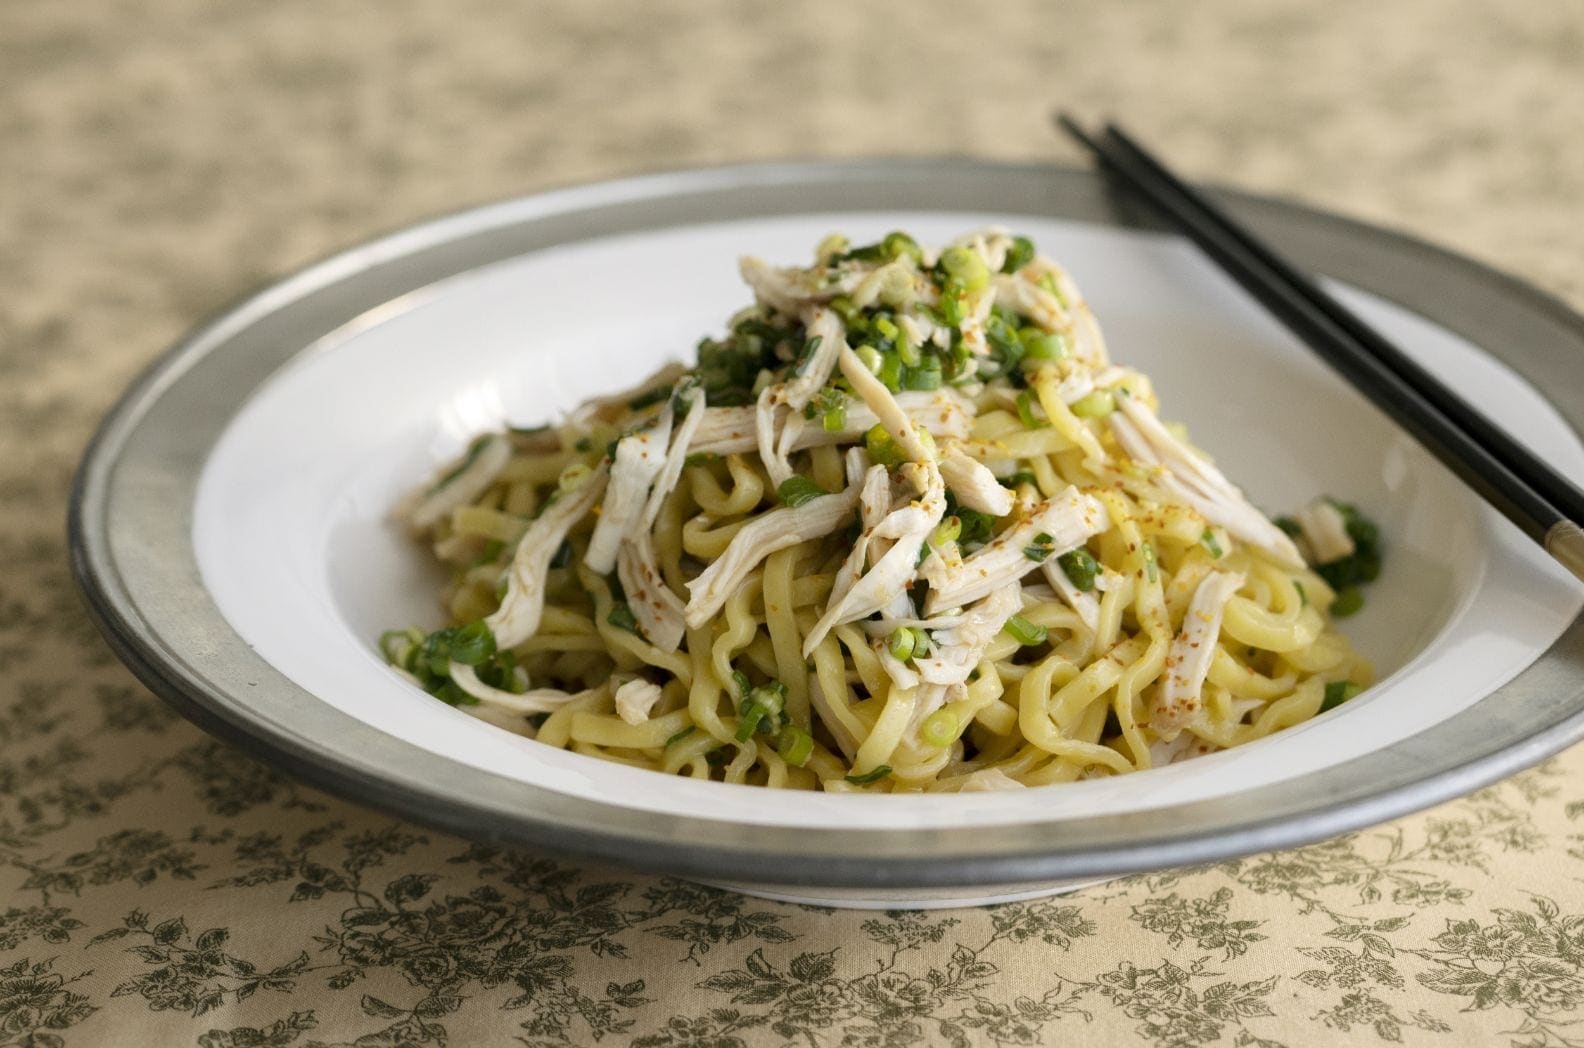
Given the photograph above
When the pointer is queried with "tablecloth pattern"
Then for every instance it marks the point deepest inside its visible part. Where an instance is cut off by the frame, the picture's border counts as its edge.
(160, 158)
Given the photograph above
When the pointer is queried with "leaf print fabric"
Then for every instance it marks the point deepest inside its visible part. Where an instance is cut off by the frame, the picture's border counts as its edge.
(158, 889)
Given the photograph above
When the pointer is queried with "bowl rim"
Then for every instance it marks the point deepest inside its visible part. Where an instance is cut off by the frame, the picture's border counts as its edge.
(131, 551)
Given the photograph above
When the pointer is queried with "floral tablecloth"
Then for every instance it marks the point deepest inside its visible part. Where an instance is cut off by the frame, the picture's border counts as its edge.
(159, 158)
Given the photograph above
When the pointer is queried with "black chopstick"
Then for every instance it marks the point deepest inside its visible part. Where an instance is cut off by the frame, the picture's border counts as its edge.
(1527, 491)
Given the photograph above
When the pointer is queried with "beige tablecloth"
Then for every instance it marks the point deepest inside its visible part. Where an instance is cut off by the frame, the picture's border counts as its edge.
(160, 157)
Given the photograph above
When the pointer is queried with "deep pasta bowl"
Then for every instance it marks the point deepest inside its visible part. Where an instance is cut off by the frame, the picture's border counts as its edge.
(232, 529)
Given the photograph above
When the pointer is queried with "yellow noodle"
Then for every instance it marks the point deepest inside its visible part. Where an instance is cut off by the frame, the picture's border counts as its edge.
(1070, 696)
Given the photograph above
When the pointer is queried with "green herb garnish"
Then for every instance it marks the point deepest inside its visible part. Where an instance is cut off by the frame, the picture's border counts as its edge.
(1025, 632)
(1042, 546)
(1338, 692)
(869, 777)
(797, 490)
(1080, 567)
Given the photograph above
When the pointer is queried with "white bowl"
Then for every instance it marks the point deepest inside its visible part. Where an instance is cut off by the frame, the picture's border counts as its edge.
(297, 568)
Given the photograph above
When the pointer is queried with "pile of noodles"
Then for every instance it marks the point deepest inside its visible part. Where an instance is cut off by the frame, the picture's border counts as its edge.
(905, 527)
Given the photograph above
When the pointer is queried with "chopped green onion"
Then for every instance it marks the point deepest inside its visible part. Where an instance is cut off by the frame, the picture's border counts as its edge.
(868, 253)
(845, 308)
(951, 308)
(898, 244)
(868, 777)
(700, 458)
(1364, 564)
(1047, 282)
(1042, 345)
(1025, 632)
(939, 729)
(1098, 404)
(1338, 692)
(473, 644)
(1348, 601)
(1149, 562)
(1020, 254)
(887, 327)
(903, 643)
(761, 710)
(398, 646)
(976, 526)
(835, 419)
(882, 448)
(1025, 410)
(890, 373)
(796, 491)
(795, 745)
(965, 268)
(740, 679)
(923, 378)
(650, 397)
(1209, 542)
(1041, 547)
(1080, 567)
(621, 616)
(946, 531)
(679, 736)
(870, 357)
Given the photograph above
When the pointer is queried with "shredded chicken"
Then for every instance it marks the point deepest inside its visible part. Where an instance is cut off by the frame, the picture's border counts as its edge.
(1033, 301)
(761, 537)
(732, 431)
(787, 290)
(654, 605)
(1084, 602)
(908, 526)
(1068, 519)
(517, 618)
(902, 675)
(1183, 473)
(464, 484)
(659, 612)
(973, 483)
(1324, 532)
(639, 459)
(635, 698)
(884, 405)
(958, 649)
(1188, 660)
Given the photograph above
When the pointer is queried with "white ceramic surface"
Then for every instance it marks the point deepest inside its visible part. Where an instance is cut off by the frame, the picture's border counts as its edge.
(293, 540)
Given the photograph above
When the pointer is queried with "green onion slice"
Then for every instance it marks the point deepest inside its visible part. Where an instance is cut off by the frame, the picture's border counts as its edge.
(1025, 632)
(1080, 567)
(1042, 546)
(796, 491)
(795, 745)
(939, 729)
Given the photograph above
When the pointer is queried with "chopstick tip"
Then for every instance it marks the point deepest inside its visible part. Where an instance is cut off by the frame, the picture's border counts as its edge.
(1068, 123)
